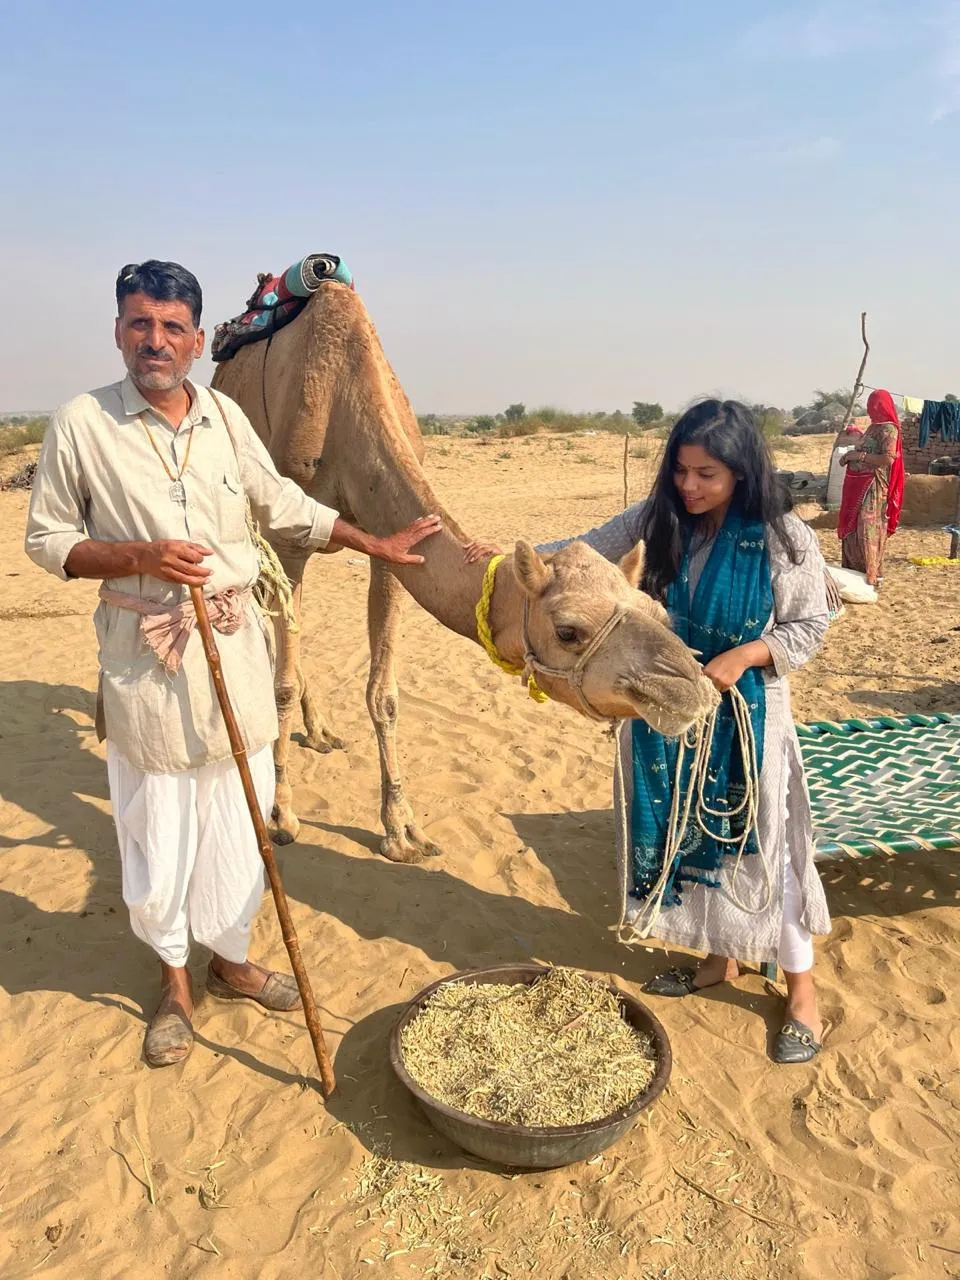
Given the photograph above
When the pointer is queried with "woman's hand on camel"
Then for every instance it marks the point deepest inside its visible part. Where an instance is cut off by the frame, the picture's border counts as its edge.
(480, 550)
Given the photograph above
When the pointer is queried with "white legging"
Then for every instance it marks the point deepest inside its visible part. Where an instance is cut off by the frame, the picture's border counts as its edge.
(795, 954)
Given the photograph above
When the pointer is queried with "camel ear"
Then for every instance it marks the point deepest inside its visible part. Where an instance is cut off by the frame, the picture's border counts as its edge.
(533, 573)
(633, 562)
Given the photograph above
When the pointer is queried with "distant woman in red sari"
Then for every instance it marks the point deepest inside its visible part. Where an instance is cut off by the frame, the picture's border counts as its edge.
(872, 490)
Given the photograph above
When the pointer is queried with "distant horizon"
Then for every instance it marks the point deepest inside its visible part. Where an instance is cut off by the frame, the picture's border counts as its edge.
(531, 408)
(460, 415)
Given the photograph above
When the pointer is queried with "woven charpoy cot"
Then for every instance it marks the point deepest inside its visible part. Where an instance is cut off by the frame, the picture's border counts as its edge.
(883, 786)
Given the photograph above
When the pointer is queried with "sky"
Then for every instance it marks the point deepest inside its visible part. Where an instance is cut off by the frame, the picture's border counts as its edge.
(541, 201)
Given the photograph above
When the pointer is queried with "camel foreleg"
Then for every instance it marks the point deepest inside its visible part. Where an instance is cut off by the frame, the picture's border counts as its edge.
(405, 841)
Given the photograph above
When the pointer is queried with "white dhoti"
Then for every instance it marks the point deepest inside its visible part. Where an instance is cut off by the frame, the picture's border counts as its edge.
(189, 855)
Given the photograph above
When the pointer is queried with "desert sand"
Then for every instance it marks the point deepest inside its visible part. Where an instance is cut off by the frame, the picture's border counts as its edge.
(230, 1166)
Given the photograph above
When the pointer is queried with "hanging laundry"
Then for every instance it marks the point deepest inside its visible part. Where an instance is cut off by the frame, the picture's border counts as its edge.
(913, 404)
(940, 418)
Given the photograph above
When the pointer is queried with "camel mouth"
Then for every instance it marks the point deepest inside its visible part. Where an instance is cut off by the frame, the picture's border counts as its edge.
(667, 717)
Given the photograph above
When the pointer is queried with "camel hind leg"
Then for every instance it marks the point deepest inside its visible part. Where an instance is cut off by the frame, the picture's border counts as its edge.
(292, 692)
(405, 841)
(319, 736)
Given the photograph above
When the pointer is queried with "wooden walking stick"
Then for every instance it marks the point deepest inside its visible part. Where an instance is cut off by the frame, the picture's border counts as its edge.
(327, 1081)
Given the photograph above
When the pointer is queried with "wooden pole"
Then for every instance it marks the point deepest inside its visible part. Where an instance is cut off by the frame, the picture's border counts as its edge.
(291, 942)
(858, 384)
(626, 456)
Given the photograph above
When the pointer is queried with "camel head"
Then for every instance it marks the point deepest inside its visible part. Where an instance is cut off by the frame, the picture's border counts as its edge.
(587, 623)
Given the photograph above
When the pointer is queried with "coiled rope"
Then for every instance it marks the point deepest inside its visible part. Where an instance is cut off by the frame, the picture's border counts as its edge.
(272, 584)
(690, 802)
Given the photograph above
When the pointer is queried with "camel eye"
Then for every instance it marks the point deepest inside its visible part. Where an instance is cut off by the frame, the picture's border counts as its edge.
(567, 635)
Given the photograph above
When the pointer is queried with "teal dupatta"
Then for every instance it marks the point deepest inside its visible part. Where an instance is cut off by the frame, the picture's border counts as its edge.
(731, 606)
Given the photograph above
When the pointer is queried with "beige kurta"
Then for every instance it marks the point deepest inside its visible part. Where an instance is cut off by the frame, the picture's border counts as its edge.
(708, 919)
(98, 477)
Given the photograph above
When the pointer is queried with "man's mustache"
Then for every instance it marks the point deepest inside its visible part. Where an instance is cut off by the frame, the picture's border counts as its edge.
(151, 353)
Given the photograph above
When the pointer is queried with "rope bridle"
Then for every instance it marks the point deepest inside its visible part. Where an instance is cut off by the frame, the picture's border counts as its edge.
(532, 666)
(574, 675)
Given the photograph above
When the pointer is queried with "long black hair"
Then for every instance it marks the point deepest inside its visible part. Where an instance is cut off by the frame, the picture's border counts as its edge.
(728, 431)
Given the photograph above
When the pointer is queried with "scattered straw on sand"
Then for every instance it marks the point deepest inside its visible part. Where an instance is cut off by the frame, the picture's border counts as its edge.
(555, 1052)
(416, 1212)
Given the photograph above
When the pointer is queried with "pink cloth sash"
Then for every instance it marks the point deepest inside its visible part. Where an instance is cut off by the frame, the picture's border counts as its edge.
(167, 628)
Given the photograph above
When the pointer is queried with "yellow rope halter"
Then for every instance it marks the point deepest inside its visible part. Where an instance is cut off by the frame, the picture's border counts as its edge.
(485, 636)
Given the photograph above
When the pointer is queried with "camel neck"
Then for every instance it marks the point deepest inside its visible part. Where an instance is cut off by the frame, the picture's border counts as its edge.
(445, 585)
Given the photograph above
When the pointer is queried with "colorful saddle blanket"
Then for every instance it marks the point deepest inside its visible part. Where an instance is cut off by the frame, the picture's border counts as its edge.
(276, 301)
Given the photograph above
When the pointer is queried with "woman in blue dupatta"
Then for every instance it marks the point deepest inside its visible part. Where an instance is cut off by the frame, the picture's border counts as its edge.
(744, 581)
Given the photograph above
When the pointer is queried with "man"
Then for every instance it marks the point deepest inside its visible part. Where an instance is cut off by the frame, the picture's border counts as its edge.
(144, 485)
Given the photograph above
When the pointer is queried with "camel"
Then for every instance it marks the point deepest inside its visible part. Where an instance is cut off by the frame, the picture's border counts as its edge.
(331, 412)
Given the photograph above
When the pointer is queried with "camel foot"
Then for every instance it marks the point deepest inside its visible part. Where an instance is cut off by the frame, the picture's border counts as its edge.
(286, 826)
(408, 844)
(323, 742)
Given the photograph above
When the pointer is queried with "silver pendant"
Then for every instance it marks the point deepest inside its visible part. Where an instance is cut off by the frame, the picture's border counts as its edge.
(178, 493)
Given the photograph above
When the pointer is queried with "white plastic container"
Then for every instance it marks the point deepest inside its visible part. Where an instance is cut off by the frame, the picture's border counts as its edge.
(835, 475)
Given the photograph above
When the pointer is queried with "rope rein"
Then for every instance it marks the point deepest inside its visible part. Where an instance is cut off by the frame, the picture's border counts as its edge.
(690, 802)
(272, 584)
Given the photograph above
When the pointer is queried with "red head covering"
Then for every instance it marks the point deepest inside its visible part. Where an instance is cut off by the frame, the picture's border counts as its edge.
(881, 408)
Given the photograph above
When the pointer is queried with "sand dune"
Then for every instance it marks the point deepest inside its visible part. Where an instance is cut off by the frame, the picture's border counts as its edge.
(228, 1166)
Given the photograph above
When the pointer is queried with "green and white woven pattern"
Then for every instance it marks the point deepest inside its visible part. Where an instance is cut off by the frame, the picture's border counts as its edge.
(883, 786)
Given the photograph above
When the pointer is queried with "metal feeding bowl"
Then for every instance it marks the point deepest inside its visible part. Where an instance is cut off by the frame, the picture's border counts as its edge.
(521, 1146)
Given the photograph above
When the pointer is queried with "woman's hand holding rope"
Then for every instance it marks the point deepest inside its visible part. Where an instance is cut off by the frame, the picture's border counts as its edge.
(727, 668)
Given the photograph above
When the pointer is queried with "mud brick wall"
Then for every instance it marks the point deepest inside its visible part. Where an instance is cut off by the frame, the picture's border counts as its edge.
(917, 460)
(929, 501)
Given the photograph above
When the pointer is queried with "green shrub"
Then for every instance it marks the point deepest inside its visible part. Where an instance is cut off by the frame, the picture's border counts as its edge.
(14, 438)
(513, 427)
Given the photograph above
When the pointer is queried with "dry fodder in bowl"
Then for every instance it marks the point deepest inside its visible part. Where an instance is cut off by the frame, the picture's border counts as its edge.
(551, 1053)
